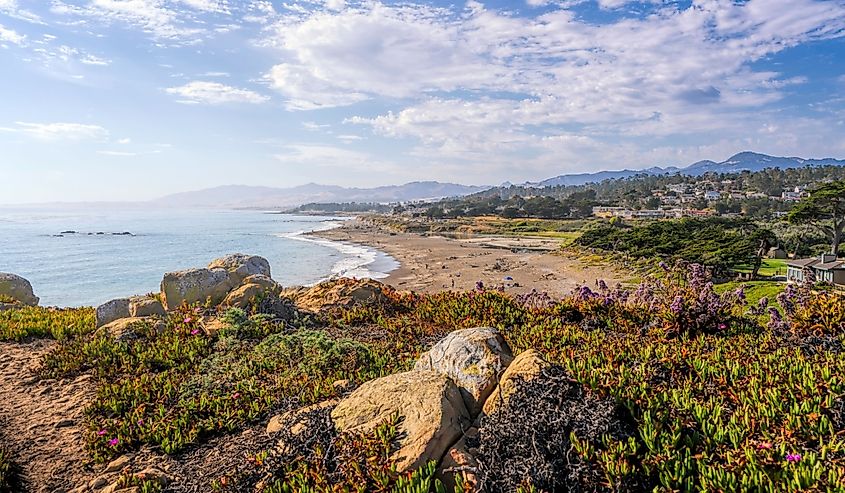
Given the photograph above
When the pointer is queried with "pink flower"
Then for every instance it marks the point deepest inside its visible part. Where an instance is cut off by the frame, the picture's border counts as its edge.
(722, 326)
(140, 422)
(236, 395)
(188, 320)
(113, 442)
(793, 457)
(764, 446)
(101, 433)
(195, 332)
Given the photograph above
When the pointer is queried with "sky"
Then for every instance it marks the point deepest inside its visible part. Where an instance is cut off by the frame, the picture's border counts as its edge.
(134, 99)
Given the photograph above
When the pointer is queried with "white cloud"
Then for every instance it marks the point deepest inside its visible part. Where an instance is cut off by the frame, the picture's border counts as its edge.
(124, 141)
(13, 10)
(151, 16)
(94, 60)
(326, 156)
(11, 36)
(60, 131)
(215, 93)
(217, 6)
(117, 153)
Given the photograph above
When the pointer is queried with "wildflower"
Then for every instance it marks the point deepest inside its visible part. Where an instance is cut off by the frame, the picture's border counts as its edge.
(113, 442)
(763, 303)
(140, 422)
(793, 457)
(677, 305)
(188, 320)
(764, 446)
(195, 332)
(663, 266)
(101, 433)
(236, 395)
(723, 326)
(479, 285)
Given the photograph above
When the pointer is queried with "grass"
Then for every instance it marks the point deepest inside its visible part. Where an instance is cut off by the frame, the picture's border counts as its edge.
(769, 267)
(754, 290)
(25, 322)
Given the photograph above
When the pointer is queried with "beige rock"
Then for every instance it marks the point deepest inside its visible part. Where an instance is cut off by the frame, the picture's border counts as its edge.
(17, 288)
(126, 329)
(241, 266)
(117, 464)
(213, 326)
(432, 414)
(112, 310)
(153, 474)
(195, 286)
(244, 295)
(459, 463)
(145, 306)
(473, 358)
(265, 282)
(527, 366)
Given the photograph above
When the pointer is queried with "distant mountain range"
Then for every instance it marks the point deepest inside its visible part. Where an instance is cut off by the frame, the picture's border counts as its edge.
(243, 196)
(744, 161)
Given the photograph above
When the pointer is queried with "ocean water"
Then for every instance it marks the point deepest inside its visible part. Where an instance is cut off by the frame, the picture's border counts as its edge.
(93, 264)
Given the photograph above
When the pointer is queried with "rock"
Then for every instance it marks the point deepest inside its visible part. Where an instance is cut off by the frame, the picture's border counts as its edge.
(473, 358)
(265, 282)
(342, 385)
(292, 420)
(16, 288)
(244, 295)
(117, 464)
(213, 326)
(153, 474)
(112, 310)
(527, 366)
(195, 286)
(432, 414)
(145, 306)
(339, 293)
(241, 266)
(8, 306)
(126, 329)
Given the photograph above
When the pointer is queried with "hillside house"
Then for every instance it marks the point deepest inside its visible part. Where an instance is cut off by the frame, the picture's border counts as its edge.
(824, 268)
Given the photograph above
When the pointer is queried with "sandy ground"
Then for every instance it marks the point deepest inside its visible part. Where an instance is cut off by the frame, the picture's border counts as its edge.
(435, 263)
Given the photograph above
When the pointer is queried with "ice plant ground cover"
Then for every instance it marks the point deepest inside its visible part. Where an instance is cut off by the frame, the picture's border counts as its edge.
(724, 393)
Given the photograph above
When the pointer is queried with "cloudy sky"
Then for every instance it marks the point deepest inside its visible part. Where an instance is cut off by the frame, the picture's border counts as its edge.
(132, 99)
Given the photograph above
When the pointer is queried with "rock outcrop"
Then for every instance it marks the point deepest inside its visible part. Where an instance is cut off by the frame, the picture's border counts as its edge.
(112, 310)
(432, 413)
(473, 358)
(145, 306)
(195, 286)
(240, 266)
(338, 293)
(18, 289)
(527, 366)
(126, 329)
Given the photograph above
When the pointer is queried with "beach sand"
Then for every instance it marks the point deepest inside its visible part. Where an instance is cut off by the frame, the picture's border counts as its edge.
(436, 263)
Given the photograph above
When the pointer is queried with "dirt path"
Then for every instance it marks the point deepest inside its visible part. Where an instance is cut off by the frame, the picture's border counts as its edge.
(42, 419)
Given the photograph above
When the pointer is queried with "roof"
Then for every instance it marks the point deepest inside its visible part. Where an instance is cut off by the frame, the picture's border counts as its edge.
(804, 262)
(816, 264)
(836, 265)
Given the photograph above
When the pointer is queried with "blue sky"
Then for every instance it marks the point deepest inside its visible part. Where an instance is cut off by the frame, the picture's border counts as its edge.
(133, 99)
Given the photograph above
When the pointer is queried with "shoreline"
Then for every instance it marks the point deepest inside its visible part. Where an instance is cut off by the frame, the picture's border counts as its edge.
(431, 264)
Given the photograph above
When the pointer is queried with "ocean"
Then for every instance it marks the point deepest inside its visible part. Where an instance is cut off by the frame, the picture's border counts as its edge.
(81, 256)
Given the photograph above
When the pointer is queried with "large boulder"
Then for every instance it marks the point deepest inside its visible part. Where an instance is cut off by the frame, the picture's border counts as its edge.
(17, 289)
(242, 296)
(145, 306)
(195, 286)
(127, 329)
(338, 293)
(527, 366)
(264, 281)
(429, 404)
(112, 310)
(241, 266)
(473, 358)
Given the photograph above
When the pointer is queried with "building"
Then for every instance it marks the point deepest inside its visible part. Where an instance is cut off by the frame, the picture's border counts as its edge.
(712, 195)
(824, 268)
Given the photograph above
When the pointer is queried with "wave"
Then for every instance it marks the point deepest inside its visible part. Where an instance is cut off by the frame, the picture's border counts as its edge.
(358, 261)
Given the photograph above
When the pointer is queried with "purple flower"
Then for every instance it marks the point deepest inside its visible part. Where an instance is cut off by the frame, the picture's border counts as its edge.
(195, 332)
(723, 326)
(663, 265)
(101, 433)
(113, 442)
(479, 285)
(188, 320)
(677, 305)
(793, 457)
(140, 422)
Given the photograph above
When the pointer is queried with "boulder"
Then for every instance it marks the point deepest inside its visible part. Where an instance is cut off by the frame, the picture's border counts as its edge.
(527, 366)
(213, 326)
(430, 406)
(473, 358)
(195, 286)
(265, 282)
(338, 293)
(145, 306)
(126, 329)
(16, 288)
(241, 266)
(112, 310)
(244, 295)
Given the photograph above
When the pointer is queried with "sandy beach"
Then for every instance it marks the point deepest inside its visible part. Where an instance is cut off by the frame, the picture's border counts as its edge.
(435, 263)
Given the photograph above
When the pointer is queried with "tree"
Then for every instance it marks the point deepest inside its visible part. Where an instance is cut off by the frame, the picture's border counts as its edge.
(825, 210)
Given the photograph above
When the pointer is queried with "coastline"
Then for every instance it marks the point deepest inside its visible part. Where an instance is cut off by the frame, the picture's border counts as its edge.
(431, 264)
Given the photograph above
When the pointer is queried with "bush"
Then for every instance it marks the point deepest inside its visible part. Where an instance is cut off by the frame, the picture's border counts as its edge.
(24, 322)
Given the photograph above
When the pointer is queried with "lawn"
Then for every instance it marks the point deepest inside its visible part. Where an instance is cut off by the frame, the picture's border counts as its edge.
(769, 268)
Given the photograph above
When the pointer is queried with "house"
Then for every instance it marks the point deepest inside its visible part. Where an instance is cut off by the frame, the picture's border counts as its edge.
(712, 195)
(824, 268)
(790, 196)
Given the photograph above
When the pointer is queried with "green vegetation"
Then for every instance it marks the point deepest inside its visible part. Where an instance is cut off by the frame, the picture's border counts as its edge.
(825, 210)
(7, 472)
(737, 388)
(24, 322)
(769, 267)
